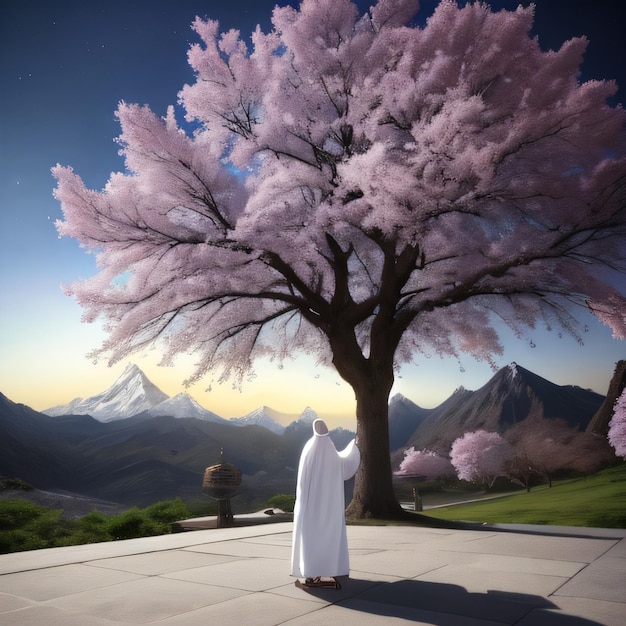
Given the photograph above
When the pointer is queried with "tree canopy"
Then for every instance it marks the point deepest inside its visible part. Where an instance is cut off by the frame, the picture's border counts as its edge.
(359, 188)
(617, 427)
(480, 456)
(425, 464)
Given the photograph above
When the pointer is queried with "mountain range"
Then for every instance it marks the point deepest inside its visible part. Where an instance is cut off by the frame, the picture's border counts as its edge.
(134, 394)
(512, 395)
(131, 394)
(134, 445)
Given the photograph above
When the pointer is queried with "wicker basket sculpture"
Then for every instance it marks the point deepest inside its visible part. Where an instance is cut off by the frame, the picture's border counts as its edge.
(221, 481)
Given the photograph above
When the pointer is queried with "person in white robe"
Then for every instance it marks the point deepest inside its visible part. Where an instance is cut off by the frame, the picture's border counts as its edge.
(320, 545)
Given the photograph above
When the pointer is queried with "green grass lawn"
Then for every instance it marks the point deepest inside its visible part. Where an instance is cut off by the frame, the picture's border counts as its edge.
(598, 500)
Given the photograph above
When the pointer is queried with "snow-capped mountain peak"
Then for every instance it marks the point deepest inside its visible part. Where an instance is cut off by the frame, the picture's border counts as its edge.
(263, 416)
(130, 394)
(308, 416)
(183, 405)
(133, 393)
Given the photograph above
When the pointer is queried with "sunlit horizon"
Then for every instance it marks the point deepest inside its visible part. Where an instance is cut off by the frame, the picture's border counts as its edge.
(64, 372)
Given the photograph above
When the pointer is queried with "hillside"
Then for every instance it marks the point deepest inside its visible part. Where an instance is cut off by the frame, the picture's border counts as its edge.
(512, 395)
(143, 459)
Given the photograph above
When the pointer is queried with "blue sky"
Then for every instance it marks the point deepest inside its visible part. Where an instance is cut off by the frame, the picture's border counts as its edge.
(64, 66)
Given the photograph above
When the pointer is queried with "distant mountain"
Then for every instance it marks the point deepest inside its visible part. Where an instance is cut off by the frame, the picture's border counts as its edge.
(513, 394)
(302, 426)
(141, 459)
(308, 416)
(404, 418)
(274, 420)
(150, 456)
(183, 405)
(42, 449)
(131, 394)
(134, 394)
(266, 417)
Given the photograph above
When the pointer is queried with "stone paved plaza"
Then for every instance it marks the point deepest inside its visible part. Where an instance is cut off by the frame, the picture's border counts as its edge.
(483, 576)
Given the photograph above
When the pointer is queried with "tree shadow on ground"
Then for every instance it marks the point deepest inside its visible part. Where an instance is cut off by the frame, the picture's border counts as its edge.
(442, 604)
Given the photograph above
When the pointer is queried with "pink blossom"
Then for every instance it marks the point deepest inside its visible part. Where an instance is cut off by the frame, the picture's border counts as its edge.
(425, 464)
(480, 456)
(617, 426)
(383, 137)
(359, 188)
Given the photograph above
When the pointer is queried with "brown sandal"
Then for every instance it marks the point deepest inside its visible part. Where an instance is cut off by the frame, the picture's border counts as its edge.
(319, 582)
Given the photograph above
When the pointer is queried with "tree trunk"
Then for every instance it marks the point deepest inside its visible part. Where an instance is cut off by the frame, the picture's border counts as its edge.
(370, 376)
(373, 489)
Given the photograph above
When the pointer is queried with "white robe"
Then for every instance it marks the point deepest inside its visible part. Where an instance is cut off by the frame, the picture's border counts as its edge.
(320, 545)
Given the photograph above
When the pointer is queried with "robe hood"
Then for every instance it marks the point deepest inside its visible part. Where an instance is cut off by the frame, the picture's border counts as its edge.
(319, 428)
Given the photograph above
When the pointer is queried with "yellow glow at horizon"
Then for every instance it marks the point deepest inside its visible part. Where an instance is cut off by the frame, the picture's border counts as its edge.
(43, 364)
(47, 366)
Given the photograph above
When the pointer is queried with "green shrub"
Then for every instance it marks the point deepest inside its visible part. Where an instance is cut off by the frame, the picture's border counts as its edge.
(27, 526)
(17, 513)
(94, 522)
(283, 501)
(7, 483)
(201, 507)
(131, 524)
(165, 513)
(49, 526)
(92, 528)
(19, 540)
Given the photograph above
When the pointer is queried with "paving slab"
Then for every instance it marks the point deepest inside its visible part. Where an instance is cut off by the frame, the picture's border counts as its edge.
(610, 613)
(155, 563)
(50, 616)
(54, 582)
(365, 613)
(479, 576)
(601, 580)
(454, 600)
(144, 601)
(577, 549)
(247, 549)
(254, 574)
(255, 609)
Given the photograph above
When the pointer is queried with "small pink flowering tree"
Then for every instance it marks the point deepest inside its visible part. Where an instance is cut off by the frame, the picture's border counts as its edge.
(424, 464)
(541, 447)
(480, 456)
(359, 188)
(617, 427)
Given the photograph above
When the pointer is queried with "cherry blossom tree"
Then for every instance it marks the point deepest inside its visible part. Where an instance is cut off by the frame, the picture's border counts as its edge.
(360, 189)
(617, 427)
(520, 469)
(480, 456)
(424, 464)
(542, 447)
